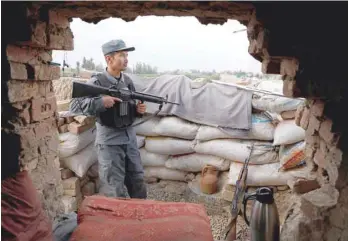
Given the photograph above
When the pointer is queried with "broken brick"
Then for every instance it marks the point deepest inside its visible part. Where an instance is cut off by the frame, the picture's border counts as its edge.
(27, 55)
(88, 189)
(320, 159)
(66, 173)
(305, 118)
(326, 134)
(317, 108)
(18, 71)
(77, 129)
(46, 72)
(61, 121)
(60, 38)
(289, 67)
(63, 128)
(58, 19)
(43, 108)
(303, 186)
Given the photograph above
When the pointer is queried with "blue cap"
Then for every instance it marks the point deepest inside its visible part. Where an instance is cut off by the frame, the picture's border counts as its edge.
(115, 46)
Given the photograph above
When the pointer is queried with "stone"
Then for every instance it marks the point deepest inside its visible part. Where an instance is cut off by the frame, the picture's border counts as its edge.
(298, 114)
(320, 159)
(317, 109)
(66, 173)
(312, 139)
(289, 87)
(338, 216)
(46, 72)
(301, 186)
(63, 105)
(71, 183)
(58, 19)
(314, 123)
(77, 129)
(38, 35)
(60, 38)
(88, 189)
(324, 197)
(69, 204)
(270, 66)
(69, 119)
(27, 55)
(63, 128)
(84, 120)
(305, 118)
(61, 121)
(21, 91)
(335, 155)
(18, 71)
(334, 234)
(289, 67)
(31, 165)
(325, 132)
(93, 171)
(42, 108)
(84, 180)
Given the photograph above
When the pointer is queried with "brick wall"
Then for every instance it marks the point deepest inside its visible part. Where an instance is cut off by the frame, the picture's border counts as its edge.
(31, 97)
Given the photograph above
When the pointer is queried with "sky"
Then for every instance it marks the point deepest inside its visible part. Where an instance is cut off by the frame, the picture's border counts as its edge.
(168, 43)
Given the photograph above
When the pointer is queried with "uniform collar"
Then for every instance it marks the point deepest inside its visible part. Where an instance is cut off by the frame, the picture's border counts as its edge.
(111, 78)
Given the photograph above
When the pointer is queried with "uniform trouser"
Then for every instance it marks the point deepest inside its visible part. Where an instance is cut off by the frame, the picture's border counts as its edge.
(119, 166)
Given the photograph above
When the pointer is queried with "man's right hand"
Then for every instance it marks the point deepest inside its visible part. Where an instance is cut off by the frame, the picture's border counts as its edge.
(109, 101)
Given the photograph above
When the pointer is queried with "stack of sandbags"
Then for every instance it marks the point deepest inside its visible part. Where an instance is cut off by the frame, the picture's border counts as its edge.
(77, 154)
(77, 188)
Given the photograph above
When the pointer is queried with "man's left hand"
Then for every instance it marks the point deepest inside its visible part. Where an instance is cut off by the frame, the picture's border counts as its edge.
(141, 108)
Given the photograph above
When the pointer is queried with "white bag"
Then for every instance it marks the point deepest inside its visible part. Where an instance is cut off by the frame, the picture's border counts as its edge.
(238, 150)
(262, 129)
(152, 159)
(274, 103)
(81, 161)
(287, 132)
(195, 162)
(146, 128)
(70, 143)
(168, 146)
(259, 175)
(167, 174)
(175, 127)
(292, 155)
(140, 141)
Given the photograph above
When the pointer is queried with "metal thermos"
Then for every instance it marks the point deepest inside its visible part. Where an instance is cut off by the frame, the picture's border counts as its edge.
(264, 218)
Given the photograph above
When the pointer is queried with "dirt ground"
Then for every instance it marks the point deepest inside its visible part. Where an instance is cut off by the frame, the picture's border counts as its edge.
(216, 207)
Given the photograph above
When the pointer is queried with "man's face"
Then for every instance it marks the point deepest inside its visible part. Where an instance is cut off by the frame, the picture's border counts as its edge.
(118, 61)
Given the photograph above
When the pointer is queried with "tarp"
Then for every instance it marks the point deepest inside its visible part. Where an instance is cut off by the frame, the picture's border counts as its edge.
(212, 104)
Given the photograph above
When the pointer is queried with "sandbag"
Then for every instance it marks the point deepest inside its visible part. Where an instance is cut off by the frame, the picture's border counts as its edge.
(168, 145)
(81, 161)
(168, 174)
(152, 159)
(146, 128)
(175, 127)
(140, 141)
(101, 218)
(70, 143)
(238, 150)
(260, 175)
(195, 162)
(292, 155)
(273, 103)
(287, 132)
(261, 129)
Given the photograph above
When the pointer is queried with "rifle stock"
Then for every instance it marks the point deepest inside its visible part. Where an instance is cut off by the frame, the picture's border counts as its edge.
(231, 228)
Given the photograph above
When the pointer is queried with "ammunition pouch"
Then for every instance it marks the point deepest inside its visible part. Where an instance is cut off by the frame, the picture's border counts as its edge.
(121, 115)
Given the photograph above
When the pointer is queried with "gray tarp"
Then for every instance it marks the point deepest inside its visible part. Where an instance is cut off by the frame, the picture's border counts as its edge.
(212, 104)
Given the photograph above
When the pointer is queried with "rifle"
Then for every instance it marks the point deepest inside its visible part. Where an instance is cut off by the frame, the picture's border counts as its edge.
(231, 228)
(81, 89)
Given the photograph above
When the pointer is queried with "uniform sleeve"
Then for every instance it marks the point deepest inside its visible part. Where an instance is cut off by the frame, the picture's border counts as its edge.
(86, 105)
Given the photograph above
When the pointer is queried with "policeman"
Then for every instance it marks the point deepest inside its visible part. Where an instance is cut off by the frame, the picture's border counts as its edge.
(118, 154)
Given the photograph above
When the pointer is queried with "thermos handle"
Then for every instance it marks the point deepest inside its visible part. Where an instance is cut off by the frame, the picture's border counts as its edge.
(247, 197)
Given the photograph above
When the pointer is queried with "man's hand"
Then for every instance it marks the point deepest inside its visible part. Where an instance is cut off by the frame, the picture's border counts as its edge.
(141, 108)
(109, 101)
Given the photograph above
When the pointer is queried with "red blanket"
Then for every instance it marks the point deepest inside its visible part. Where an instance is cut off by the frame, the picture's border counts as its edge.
(101, 218)
(22, 217)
